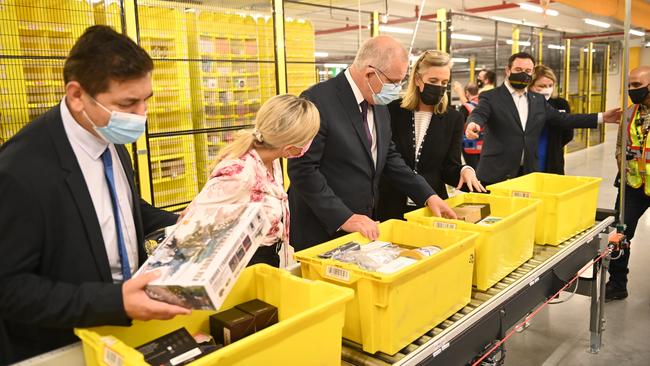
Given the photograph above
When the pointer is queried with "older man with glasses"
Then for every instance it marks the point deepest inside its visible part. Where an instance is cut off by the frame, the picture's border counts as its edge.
(335, 185)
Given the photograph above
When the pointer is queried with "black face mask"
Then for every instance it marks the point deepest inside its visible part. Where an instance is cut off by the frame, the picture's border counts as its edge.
(519, 80)
(637, 96)
(479, 83)
(432, 94)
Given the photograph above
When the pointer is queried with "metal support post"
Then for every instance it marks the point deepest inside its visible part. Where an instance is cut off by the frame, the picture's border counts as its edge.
(597, 312)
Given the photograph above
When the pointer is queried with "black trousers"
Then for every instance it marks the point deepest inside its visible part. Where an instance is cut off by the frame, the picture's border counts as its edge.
(266, 254)
(636, 203)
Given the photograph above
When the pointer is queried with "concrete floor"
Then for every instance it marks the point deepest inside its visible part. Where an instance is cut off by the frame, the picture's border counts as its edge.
(559, 335)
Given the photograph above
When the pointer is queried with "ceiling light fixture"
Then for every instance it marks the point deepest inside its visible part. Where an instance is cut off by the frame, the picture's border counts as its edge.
(635, 32)
(398, 30)
(521, 43)
(514, 21)
(538, 9)
(466, 37)
(597, 23)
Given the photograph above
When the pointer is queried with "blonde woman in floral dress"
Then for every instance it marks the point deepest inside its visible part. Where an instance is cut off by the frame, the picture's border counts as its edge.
(248, 169)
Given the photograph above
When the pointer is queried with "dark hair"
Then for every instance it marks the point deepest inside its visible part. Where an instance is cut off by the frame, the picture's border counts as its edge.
(100, 55)
(490, 76)
(471, 89)
(522, 55)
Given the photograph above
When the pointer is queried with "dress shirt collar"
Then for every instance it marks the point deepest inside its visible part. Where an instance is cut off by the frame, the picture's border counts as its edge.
(89, 143)
(355, 88)
(514, 91)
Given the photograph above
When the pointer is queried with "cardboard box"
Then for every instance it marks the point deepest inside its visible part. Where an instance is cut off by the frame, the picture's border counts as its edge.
(204, 255)
(484, 207)
(468, 214)
(231, 325)
(265, 314)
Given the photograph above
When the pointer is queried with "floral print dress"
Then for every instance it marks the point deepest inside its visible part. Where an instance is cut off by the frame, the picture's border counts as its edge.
(245, 180)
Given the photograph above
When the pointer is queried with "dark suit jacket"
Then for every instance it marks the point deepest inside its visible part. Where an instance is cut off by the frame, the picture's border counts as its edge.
(505, 139)
(337, 177)
(54, 271)
(439, 158)
(557, 138)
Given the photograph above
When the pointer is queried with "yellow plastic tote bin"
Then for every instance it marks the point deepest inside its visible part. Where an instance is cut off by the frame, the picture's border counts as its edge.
(568, 203)
(311, 315)
(501, 247)
(389, 311)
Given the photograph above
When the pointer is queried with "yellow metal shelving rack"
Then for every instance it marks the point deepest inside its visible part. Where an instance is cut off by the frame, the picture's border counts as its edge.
(226, 85)
(163, 34)
(35, 38)
(301, 69)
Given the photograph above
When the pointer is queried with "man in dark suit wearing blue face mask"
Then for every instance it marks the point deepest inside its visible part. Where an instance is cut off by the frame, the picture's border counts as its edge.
(513, 119)
(72, 222)
(335, 185)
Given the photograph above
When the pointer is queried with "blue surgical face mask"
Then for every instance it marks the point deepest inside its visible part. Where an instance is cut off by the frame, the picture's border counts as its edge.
(122, 128)
(388, 93)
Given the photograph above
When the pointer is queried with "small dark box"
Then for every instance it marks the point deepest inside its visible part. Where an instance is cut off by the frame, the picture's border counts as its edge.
(231, 325)
(265, 314)
(177, 348)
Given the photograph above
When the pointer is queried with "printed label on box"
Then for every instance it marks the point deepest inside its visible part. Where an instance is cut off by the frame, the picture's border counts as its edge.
(337, 273)
(111, 358)
(444, 225)
(520, 194)
(226, 336)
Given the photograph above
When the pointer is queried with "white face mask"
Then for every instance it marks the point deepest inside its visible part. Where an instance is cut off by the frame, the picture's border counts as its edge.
(546, 92)
(122, 128)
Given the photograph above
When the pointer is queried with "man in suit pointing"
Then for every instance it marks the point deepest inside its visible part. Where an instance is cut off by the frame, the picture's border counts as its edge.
(514, 118)
(334, 186)
(72, 223)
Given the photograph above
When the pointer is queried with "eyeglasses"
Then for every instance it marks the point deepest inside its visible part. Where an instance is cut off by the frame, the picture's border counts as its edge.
(396, 83)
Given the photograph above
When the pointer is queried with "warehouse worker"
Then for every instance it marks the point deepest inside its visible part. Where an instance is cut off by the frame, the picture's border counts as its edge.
(71, 220)
(335, 185)
(485, 81)
(637, 192)
(513, 119)
(471, 147)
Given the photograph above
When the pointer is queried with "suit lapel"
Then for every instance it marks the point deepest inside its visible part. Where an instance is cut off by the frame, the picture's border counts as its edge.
(379, 112)
(79, 191)
(510, 106)
(529, 120)
(348, 100)
(409, 137)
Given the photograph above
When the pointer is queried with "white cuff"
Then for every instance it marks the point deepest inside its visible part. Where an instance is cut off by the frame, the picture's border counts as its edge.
(600, 117)
(466, 167)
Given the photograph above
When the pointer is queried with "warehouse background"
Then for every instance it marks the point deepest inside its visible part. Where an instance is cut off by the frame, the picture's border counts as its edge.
(216, 62)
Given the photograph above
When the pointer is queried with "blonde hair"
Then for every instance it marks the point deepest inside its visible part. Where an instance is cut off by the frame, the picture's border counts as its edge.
(282, 121)
(543, 71)
(431, 58)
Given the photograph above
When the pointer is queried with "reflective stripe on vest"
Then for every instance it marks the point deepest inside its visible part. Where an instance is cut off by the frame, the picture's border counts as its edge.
(639, 167)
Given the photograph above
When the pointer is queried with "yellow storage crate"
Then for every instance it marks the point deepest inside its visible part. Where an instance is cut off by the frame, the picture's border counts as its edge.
(500, 247)
(389, 311)
(568, 203)
(308, 331)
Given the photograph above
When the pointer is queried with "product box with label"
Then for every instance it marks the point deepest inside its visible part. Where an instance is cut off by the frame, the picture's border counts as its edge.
(202, 258)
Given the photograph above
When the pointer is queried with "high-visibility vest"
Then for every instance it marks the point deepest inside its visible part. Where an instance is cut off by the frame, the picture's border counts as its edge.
(472, 147)
(639, 145)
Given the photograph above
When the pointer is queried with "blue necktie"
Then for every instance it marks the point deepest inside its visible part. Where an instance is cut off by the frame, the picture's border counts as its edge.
(110, 179)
